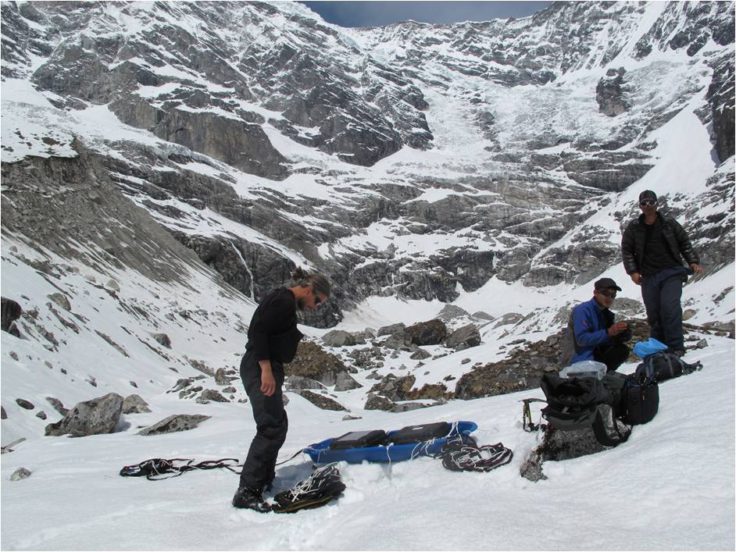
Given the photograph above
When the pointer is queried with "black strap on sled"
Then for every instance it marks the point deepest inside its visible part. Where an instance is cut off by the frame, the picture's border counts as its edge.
(297, 453)
(155, 469)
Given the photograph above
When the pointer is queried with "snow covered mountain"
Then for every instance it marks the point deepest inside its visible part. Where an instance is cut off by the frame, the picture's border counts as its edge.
(411, 160)
(164, 165)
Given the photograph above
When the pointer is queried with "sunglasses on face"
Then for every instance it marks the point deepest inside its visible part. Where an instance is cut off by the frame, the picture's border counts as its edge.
(648, 203)
(611, 294)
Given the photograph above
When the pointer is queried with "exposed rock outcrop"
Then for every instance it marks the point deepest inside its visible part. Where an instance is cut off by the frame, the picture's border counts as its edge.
(377, 402)
(100, 415)
(463, 338)
(313, 362)
(321, 401)
(432, 332)
(11, 311)
(134, 404)
(610, 93)
(174, 423)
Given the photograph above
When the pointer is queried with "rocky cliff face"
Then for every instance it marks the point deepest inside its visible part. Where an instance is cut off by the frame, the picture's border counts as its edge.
(412, 160)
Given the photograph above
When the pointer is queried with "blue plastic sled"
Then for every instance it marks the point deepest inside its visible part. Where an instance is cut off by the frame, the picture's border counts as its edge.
(321, 453)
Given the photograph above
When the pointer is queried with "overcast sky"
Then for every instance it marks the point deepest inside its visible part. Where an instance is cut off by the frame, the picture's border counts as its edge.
(367, 14)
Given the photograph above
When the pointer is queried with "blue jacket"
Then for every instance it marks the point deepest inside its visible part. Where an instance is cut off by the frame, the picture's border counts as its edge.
(590, 325)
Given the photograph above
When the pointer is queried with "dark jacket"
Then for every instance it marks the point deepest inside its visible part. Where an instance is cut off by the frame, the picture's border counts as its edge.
(272, 333)
(634, 243)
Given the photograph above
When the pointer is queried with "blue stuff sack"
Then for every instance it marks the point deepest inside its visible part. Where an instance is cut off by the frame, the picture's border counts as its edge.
(645, 348)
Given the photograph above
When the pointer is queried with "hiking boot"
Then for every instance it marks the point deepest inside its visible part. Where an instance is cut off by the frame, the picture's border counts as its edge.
(250, 499)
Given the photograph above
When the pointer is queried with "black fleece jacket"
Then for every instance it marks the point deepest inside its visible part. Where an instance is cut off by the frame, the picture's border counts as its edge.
(633, 243)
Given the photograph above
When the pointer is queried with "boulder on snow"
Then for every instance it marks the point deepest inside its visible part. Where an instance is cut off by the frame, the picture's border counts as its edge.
(174, 423)
(345, 382)
(451, 312)
(211, 395)
(21, 473)
(509, 319)
(463, 338)
(100, 415)
(407, 406)
(300, 383)
(61, 300)
(400, 340)
(134, 404)
(394, 388)
(377, 402)
(58, 405)
(391, 329)
(432, 332)
(311, 361)
(320, 401)
(223, 377)
(339, 338)
(28, 405)
(420, 354)
(481, 315)
(163, 339)
(11, 311)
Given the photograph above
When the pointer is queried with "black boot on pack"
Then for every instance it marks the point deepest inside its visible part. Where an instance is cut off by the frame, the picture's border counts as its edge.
(250, 499)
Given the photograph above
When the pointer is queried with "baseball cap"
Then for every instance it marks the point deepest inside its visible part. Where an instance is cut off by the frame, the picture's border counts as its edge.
(606, 283)
(647, 194)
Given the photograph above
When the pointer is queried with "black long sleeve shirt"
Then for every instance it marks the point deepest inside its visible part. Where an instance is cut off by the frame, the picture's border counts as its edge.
(272, 333)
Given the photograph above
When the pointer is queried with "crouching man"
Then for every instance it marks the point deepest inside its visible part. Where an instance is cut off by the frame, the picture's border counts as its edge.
(594, 333)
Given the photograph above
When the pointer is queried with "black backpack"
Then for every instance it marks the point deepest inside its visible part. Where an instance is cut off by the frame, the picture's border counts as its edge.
(419, 433)
(580, 403)
(639, 400)
(663, 366)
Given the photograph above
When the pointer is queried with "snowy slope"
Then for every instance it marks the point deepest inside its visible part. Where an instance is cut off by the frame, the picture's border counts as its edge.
(670, 487)
(496, 178)
(622, 497)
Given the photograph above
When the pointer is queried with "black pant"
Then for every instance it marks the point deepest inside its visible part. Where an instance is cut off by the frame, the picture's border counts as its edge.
(612, 356)
(661, 293)
(271, 424)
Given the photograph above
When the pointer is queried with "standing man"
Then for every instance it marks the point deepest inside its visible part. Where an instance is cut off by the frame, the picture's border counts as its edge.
(594, 334)
(653, 247)
(272, 341)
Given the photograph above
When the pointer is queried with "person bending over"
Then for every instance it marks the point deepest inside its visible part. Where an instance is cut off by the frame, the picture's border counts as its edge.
(272, 341)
